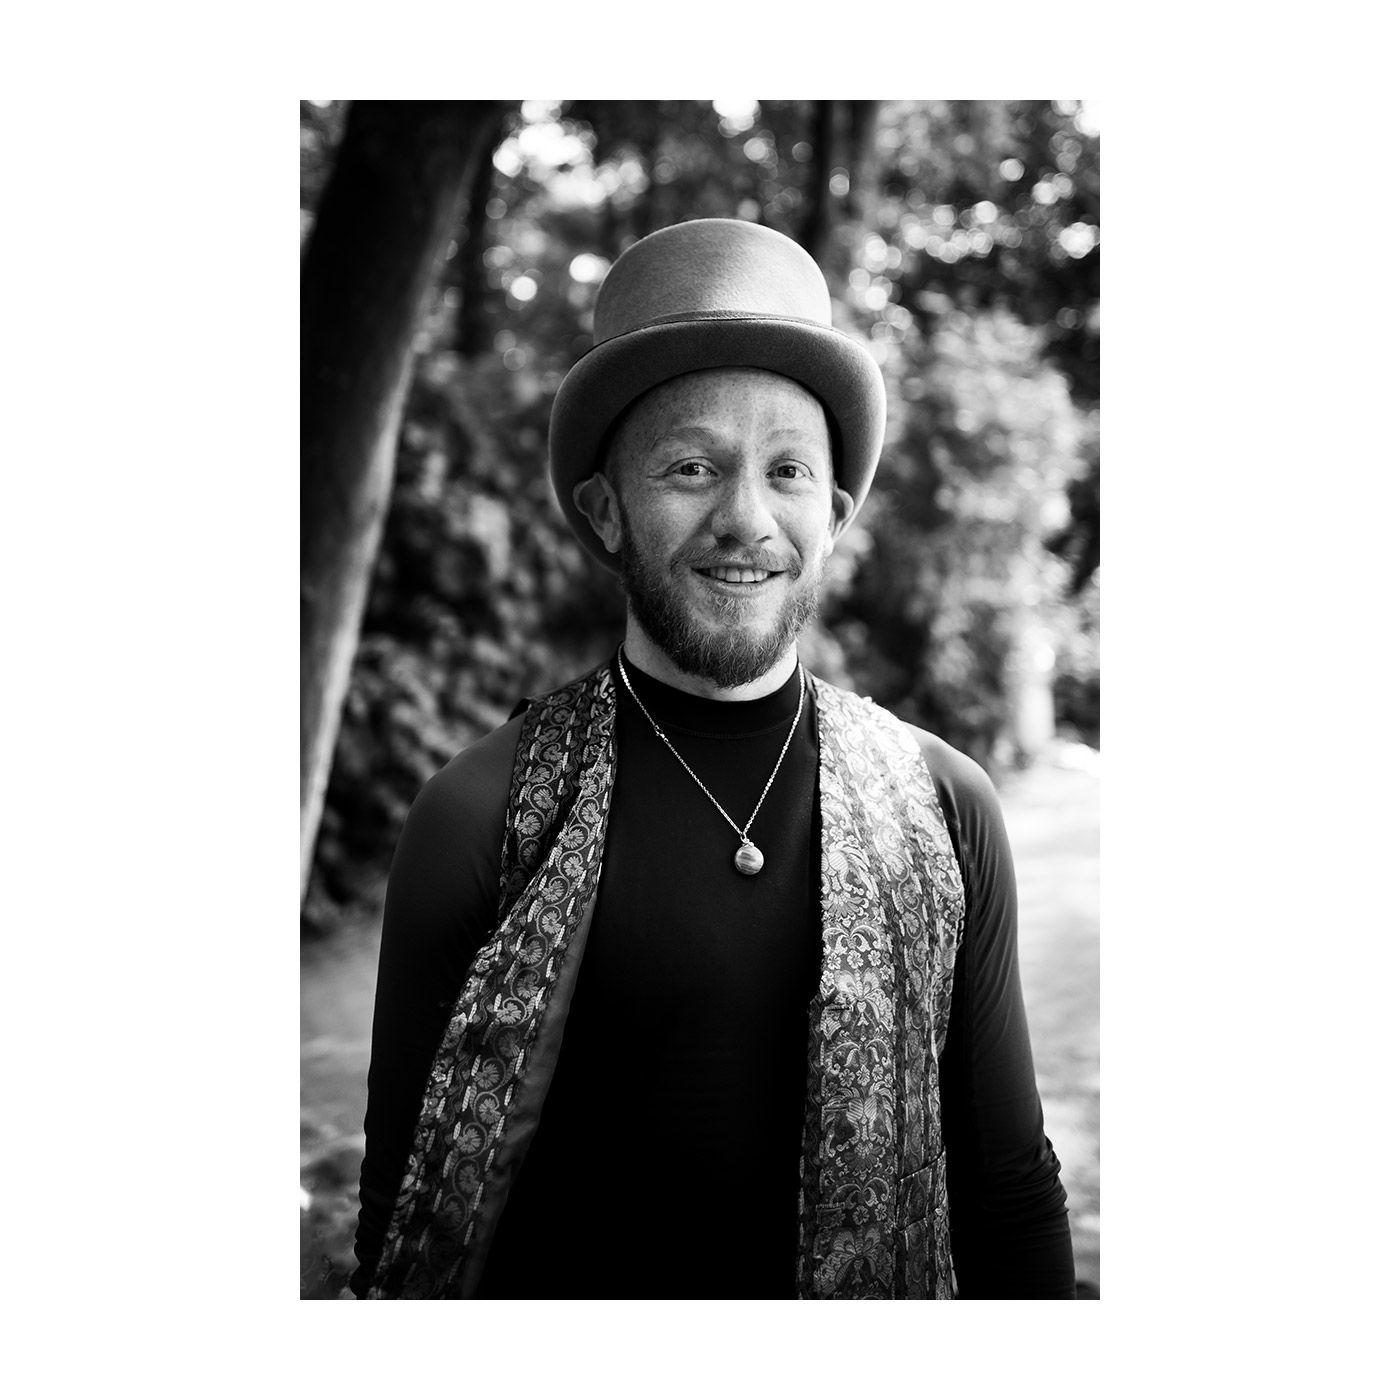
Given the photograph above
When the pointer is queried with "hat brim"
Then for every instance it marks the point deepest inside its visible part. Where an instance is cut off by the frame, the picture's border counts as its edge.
(837, 370)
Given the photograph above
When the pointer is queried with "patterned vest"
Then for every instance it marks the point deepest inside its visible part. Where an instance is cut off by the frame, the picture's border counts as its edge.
(873, 1203)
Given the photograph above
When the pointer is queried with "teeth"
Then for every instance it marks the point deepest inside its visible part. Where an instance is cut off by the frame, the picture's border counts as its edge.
(738, 575)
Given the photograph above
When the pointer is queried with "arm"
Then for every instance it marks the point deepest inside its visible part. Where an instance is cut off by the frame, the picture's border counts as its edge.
(1009, 1226)
(439, 909)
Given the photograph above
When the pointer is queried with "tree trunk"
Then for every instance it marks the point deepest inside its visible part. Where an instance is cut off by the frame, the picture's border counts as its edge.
(368, 265)
(471, 336)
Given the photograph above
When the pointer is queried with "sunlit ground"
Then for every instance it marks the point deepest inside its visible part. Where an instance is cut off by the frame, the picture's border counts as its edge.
(1052, 814)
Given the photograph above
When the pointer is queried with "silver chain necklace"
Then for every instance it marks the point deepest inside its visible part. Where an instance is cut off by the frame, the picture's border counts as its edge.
(748, 859)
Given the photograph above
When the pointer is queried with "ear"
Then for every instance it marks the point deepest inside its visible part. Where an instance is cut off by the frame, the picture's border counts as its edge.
(843, 507)
(598, 502)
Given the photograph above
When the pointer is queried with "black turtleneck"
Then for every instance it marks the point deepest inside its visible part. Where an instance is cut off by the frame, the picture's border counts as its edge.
(667, 1157)
(693, 994)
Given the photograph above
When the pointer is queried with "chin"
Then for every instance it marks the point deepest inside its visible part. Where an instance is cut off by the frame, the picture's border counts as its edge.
(728, 641)
(727, 654)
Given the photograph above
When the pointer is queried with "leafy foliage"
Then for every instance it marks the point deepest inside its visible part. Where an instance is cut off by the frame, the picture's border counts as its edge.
(983, 442)
(960, 238)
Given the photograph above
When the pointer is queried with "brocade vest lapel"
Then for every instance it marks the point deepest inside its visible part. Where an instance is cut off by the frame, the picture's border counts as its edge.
(490, 1075)
(873, 1201)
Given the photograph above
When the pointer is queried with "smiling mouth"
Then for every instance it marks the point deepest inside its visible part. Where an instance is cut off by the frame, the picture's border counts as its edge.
(735, 574)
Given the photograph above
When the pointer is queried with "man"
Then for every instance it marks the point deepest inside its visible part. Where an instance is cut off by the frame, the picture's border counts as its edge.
(699, 976)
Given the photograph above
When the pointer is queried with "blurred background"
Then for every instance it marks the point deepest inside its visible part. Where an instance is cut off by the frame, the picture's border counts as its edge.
(451, 252)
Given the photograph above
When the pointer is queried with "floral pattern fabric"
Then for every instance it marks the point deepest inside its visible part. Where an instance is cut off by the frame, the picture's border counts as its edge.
(873, 1202)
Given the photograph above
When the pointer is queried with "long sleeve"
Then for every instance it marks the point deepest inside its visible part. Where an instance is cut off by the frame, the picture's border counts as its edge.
(439, 909)
(1009, 1228)
(1009, 1225)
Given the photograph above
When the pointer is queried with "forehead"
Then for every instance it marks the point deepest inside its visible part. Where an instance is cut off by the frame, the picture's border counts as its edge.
(726, 400)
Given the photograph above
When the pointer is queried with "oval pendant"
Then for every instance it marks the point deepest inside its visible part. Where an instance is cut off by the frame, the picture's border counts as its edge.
(748, 859)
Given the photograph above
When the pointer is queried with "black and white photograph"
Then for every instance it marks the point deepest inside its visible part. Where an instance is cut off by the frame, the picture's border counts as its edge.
(700, 672)
(723, 883)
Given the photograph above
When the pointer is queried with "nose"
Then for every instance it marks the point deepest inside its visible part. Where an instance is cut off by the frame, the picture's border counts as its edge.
(742, 512)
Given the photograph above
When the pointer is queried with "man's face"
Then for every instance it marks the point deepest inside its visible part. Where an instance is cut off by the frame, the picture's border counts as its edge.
(726, 515)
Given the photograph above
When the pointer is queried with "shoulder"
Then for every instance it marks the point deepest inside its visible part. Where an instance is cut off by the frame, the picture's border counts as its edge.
(952, 770)
(468, 796)
(479, 776)
(473, 790)
(443, 884)
(973, 813)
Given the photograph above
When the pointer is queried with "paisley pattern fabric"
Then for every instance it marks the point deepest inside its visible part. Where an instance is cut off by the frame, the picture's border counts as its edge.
(555, 828)
(873, 1201)
(874, 1204)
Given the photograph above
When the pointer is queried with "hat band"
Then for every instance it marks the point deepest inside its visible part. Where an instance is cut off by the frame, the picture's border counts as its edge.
(684, 316)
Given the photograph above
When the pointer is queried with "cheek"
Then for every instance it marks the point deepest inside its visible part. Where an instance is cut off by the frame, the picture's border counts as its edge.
(813, 537)
(663, 525)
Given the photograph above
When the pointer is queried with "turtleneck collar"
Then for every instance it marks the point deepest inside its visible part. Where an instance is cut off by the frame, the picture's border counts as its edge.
(679, 711)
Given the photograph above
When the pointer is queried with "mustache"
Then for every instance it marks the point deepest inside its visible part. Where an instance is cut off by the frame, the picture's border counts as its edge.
(765, 560)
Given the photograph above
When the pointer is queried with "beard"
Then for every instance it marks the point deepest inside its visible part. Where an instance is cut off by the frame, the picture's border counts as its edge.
(732, 653)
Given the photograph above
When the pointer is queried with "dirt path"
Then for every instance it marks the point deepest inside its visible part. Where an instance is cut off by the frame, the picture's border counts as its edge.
(1052, 816)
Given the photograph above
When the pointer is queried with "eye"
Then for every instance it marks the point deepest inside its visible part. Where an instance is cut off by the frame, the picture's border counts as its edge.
(791, 471)
(691, 467)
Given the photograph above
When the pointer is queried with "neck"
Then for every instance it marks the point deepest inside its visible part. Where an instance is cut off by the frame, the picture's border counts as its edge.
(642, 653)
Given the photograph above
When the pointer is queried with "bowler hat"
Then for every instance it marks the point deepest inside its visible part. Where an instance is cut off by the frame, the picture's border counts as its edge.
(709, 294)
